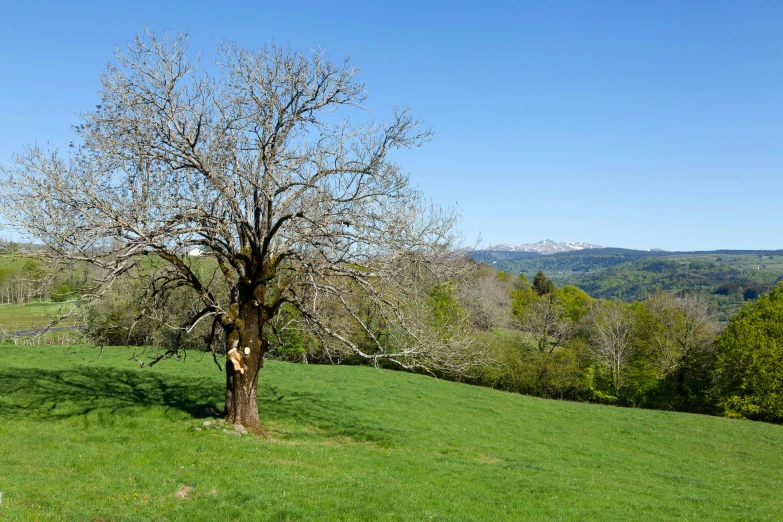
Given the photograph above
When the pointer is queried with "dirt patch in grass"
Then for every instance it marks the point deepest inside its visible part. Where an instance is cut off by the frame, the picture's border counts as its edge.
(184, 493)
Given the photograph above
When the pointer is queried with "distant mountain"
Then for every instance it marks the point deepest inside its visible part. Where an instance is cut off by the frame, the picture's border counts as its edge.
(545, 247)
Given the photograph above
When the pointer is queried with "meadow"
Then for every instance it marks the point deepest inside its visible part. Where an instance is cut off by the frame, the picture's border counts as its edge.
(88, 435)
(31, 316)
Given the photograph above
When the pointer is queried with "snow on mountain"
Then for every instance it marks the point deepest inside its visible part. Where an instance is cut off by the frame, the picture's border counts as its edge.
(547, 246)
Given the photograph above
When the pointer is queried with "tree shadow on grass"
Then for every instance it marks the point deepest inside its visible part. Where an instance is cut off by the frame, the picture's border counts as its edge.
(29, 393)
(51, 394)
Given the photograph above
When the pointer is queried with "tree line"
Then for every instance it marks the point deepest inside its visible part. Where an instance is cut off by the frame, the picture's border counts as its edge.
(664, 352)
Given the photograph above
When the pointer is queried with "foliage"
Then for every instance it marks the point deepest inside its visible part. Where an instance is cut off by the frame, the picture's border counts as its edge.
(121, 319)
(27, 280)
(749, 361)
(522, 282)
(561, 375)
(552, 362)
(289, 340)
(444, 308)
(673, 354)
(521, 299)
(546, 321)
(655, 354)
(576, 302)
(22, 280)
(63, 292)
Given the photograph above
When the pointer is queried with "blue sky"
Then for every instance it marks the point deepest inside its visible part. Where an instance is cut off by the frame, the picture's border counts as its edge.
(637, 126)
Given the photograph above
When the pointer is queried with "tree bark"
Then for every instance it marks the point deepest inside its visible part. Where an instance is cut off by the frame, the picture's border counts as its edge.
(245, 348)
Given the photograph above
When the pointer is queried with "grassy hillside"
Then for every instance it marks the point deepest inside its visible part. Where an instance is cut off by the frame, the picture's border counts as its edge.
(96, 438)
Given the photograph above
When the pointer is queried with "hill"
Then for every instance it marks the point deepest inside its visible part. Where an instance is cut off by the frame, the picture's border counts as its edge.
(87, 436)
(727, 277)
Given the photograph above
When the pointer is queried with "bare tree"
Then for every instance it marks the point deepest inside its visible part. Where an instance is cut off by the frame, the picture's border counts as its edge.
(252, 164)
(680, 328)
(486, 295)
(612, 338)
(545, 319)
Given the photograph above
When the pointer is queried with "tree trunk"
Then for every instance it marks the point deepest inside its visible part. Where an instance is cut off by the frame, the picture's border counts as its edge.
(245, 348)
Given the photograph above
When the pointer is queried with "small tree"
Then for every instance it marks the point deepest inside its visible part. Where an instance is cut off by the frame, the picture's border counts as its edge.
(295, 204)
(546, 321)
(611, 339)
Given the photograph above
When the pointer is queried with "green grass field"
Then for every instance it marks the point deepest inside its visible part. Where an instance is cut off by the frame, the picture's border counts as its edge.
(84, 437)
(31, 316)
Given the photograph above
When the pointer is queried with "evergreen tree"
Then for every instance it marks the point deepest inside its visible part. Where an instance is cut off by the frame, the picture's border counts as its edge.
(542, 284)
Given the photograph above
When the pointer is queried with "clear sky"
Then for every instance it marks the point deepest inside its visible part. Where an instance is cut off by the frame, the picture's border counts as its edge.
(629, 124)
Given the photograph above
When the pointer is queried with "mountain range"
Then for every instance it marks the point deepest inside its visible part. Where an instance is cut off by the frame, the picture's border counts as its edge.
(545, 247)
